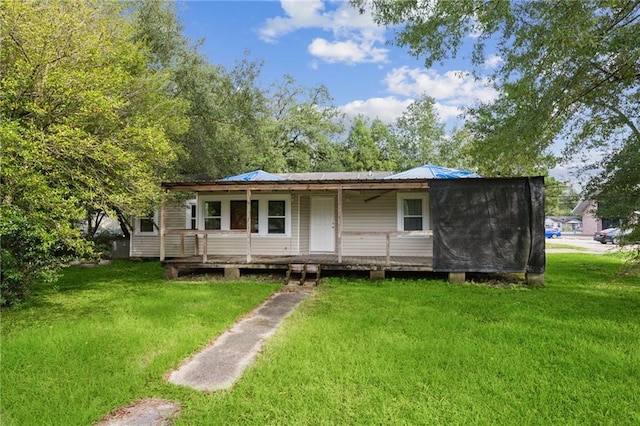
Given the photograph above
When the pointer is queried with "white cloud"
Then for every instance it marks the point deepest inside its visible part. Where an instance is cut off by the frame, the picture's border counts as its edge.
(447, 112)
(299, 14)
(355, 35)
(386, 109)
(349, 52)
(493, 61)
(452, 88)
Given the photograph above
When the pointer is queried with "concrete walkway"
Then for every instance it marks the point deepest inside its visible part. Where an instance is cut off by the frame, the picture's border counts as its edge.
(222, 363)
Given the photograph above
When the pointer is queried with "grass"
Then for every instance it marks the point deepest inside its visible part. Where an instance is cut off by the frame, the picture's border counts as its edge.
(357, 352)
(106, 336)
(559, 245)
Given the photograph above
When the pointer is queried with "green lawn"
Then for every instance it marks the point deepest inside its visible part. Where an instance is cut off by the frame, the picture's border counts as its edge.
(357, 352)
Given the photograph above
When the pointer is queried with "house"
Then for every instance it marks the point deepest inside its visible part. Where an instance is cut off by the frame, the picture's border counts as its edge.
(567, 224)
(591, 223)
(425, 219)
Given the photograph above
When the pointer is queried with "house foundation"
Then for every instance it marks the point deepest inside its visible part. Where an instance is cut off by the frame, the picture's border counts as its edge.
(376, 274)
(170, 272)
(231, 273)
(534, 280)
(457, 277)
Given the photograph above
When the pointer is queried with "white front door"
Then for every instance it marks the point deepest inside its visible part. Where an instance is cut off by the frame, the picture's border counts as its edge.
(322, 238)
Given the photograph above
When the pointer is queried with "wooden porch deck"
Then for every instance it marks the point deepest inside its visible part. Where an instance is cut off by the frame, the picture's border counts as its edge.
(327, 262)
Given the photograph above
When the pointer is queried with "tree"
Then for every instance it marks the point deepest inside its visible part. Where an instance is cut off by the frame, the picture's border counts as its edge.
(84, 124)
(569, 73)
(301, 121)
(560, 198)
(236, 123)
(364, 152)
(419, 132)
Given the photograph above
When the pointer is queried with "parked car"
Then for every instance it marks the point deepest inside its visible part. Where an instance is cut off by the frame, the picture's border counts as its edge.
(552, 233)
(608, 235)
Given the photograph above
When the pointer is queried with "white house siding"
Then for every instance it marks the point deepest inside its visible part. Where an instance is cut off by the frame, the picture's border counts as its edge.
(377, 214)
(304, 223)
(149, 245)
(260, 244)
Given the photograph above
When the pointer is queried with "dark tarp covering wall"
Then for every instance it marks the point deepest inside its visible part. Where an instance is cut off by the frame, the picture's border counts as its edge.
(488, 225)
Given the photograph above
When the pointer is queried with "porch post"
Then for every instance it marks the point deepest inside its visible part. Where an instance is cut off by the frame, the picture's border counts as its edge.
(248, 225)
(162, 230)
(339, 224)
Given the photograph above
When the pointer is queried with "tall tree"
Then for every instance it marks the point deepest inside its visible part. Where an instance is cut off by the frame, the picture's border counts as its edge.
(301, 123)
(365, 153)
(236, 123)
(419, 134)
(84, 125)
(570, 73)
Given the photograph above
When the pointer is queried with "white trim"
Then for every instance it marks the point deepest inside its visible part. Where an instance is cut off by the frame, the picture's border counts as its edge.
(155, 229)
(298, 197)
(425, 209)
(313, 213)
(263, 205)
(189, 204)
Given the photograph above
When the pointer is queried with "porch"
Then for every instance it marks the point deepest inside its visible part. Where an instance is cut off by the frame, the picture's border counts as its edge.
(232, 264)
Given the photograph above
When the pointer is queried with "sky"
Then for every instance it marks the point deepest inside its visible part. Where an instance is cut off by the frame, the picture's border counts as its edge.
(328, 42)
(331, 43)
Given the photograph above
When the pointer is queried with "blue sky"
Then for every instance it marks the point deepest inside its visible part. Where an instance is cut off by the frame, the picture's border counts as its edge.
(330, 43)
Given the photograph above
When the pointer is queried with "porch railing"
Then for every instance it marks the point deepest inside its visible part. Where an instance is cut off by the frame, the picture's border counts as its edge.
(204, 235)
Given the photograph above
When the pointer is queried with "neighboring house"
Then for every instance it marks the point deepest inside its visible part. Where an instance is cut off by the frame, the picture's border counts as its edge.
(563, 223)
(590, 222)
(426, 219)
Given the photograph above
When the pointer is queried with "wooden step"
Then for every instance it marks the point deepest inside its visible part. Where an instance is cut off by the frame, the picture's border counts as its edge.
(299, 274)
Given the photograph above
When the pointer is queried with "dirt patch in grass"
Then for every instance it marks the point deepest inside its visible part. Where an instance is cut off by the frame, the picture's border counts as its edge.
(146, 412)
(497, 280)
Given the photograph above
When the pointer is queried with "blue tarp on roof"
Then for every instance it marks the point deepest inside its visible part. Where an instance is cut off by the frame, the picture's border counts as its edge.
(430, 171)
(252, 176)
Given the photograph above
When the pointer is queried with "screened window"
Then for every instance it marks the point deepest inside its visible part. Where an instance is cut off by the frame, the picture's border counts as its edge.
(238, 215)
(276, 217)
(212, 214)
(146, 224)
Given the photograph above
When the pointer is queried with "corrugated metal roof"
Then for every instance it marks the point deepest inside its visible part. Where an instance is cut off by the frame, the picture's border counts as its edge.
(427, 171)
(253, 176)
(319, 176)
(430, 171)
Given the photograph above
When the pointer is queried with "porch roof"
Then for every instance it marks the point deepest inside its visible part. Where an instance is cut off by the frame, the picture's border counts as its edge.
(259, 180)
(298, 185)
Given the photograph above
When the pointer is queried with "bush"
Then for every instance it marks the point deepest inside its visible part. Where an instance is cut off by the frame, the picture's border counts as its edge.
(29, 252)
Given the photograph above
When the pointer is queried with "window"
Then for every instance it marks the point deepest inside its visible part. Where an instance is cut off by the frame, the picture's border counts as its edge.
(147, 225)
(212, 214)
(192, 208)
(412, 212)
(270, 213)
(276, 218)
(238, 215)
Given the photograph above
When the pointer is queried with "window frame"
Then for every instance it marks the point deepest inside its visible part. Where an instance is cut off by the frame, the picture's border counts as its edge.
(243, 203)
(263, 218)
(202, 221)
(191, 219)
(424, 198)
(138, 225)
(269, 217)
